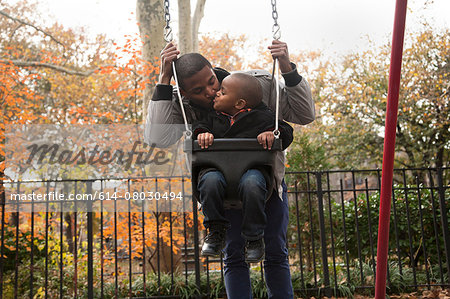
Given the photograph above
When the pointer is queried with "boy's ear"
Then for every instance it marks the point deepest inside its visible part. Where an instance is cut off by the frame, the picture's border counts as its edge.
(240, 104)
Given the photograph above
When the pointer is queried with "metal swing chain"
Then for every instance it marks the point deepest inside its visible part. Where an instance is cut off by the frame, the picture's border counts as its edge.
(276, 35)
(275, 28)
(168, 37)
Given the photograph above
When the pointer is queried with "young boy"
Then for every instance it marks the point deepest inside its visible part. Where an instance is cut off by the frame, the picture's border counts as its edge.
(239, 113)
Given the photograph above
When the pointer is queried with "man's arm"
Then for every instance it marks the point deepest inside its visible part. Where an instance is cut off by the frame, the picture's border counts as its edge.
(162, 108)
(296, 103)
(168, 55)
(286, 133)
(163, 125)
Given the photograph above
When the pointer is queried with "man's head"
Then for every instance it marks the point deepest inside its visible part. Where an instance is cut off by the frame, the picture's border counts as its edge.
(238, 91)
(196, 78)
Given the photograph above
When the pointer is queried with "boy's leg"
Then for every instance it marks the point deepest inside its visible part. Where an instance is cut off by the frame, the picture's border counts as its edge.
(252, 191)
(211, 187)
(276, 263)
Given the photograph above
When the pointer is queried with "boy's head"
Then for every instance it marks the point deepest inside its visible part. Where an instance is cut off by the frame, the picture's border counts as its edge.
(238, 91)
(196, 78)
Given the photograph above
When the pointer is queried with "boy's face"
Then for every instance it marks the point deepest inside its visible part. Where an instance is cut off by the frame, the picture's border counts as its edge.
(202, 87)
(227, 98)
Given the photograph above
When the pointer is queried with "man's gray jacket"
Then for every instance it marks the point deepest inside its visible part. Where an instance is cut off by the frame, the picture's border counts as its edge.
(296, 106)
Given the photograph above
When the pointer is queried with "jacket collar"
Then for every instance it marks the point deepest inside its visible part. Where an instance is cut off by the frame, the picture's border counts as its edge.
(237, 115)
(220, 73)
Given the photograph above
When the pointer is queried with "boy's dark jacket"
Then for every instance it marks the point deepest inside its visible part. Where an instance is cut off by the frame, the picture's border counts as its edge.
(247, 125)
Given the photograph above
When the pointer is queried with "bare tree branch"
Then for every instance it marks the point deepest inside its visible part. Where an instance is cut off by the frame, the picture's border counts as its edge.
(22, 63)
(31, 25)
(58, 68)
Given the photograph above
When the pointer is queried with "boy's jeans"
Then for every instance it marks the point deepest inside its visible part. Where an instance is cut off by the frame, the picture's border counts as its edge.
(252, 190)
(276, 264)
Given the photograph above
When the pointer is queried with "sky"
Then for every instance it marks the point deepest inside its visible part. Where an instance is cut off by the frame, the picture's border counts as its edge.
(332, 26)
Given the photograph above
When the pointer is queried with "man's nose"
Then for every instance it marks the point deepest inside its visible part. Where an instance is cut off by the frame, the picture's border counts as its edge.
(211, 92)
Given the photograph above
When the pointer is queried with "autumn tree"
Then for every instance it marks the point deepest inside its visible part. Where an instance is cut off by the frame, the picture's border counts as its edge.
(356, 91)
(424, 117)
(225, 51)
(52, 74)
(151, 17)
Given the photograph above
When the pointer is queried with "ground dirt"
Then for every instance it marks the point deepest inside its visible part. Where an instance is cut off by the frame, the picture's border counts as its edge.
(436, 293)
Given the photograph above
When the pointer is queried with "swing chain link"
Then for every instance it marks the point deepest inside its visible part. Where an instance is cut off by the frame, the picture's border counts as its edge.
(276, 134)
(276, 28)
(168, 36)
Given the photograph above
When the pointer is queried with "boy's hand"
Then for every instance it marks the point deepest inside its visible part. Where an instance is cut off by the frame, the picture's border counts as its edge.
(266, 139)
(205, 140)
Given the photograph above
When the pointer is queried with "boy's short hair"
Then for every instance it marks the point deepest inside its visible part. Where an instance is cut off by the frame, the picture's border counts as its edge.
(188, 65)
(249, 89)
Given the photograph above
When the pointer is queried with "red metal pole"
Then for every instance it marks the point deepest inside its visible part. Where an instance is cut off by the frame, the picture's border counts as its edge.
(389, 147)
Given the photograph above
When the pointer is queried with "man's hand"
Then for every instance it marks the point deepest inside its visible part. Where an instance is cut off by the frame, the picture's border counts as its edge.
(205, 140)
(168, 54)
(279, 50)
(266, 139)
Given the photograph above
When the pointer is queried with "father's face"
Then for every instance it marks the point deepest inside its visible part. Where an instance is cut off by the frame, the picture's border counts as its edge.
(202, 87)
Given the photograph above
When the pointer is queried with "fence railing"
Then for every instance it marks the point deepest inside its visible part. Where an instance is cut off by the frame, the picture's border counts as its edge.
(135, 245)
(336, 218)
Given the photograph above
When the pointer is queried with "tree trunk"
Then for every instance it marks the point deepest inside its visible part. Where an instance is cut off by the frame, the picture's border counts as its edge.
(196, 19)
(184, 26)
(150, 16)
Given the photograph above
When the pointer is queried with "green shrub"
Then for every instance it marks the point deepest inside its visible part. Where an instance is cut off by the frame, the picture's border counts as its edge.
(406, 210)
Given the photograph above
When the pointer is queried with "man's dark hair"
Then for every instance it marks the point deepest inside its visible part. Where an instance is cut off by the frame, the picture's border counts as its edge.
(249, 89)
(188, 65)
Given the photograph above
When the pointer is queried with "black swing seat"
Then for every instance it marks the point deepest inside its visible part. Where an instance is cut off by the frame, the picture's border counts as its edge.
(233, 157)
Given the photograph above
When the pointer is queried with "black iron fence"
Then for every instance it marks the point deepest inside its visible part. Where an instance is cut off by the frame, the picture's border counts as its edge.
(334, 221)
(119, 247)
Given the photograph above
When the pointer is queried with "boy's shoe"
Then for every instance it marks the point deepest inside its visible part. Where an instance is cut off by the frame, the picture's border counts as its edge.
(254, 251)
(214, 242)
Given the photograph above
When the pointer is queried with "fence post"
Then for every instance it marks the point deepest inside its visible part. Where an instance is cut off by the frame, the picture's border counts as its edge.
(196, 242)
(2, 245)
(326, 274)
(90, 258)
(444, 220)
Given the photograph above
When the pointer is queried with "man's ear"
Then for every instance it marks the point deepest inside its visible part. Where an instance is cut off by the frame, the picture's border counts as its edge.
(240, 104)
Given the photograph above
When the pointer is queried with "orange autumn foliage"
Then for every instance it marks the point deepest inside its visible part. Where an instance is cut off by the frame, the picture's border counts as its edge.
(63, 76)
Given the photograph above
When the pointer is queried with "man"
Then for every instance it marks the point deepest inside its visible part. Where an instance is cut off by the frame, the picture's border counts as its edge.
(199, 83)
